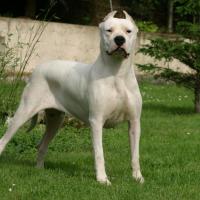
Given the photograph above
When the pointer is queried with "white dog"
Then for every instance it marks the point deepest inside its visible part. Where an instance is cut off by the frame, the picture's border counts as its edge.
(101, 94)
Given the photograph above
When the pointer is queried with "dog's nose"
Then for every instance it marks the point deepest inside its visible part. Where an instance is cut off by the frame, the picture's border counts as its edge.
(119, 40)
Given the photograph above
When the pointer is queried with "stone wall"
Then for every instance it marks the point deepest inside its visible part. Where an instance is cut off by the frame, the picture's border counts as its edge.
(66, 41)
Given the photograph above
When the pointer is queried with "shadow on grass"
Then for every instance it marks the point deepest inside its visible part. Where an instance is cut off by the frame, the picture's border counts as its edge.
(70, 168)
(7, 159)
(162, 108)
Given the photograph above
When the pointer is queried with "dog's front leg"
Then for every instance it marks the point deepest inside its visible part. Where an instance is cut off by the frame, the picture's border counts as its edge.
(134, 135)
(96, 129)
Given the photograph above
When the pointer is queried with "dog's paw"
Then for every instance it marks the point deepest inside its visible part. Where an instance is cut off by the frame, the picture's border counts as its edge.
(138, 176)
(104, 181)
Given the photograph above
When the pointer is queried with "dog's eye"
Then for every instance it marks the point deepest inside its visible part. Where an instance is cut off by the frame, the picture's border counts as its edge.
(109, 30)
(128, 31)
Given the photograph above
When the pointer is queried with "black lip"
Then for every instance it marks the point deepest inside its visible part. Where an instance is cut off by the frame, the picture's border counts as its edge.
(117, 49)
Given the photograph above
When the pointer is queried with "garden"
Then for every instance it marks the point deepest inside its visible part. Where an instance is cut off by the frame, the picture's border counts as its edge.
(169, 155)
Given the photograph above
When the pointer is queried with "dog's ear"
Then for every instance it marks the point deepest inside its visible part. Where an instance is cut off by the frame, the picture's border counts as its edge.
(111, 14)
(127, 16)
(130, 18)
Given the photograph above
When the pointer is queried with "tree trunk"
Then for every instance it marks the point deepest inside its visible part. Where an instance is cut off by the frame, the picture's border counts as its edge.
(102, 8)
(197, 94)
(194, 19)
(30, 8)
(170, 15)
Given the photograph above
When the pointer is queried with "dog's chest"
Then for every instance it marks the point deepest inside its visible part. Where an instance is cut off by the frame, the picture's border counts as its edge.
(119, 102)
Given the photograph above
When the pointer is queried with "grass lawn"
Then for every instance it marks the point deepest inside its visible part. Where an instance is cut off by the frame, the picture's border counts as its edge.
(169, 154)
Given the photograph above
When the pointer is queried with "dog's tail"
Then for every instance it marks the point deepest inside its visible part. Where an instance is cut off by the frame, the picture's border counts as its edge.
(33, 123)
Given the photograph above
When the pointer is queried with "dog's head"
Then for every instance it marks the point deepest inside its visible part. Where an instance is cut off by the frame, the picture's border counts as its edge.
(118, 35)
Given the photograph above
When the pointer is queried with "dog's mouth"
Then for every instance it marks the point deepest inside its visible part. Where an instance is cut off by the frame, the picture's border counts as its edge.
(119, 51)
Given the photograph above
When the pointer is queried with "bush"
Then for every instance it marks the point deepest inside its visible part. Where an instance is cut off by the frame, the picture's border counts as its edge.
(147, 26)
(13, 60)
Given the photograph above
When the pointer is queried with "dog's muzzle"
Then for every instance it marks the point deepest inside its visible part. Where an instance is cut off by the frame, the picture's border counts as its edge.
(119, 41)
(119, 51)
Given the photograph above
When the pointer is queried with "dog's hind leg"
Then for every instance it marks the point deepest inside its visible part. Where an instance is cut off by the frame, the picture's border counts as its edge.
(54, 119)
(23, 114)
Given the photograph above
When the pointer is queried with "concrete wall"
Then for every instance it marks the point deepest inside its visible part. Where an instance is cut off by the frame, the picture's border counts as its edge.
(64, 41)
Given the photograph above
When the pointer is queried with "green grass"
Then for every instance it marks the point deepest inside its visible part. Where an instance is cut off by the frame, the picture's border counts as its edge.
(169, 154)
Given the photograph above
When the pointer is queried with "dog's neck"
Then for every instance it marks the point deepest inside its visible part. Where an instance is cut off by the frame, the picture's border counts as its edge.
(115, 66)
